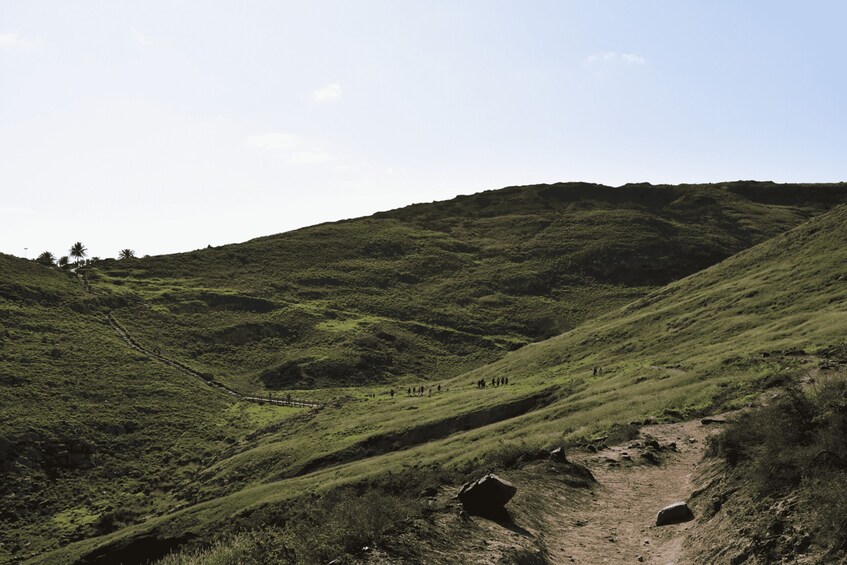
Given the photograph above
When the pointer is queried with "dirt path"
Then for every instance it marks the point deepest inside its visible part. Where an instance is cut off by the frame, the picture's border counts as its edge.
(615, 522)
(131, 342)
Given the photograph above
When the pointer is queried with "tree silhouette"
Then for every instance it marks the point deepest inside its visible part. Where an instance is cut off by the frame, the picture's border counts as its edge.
(78, 252)
(47, 259)
(126, 254)
(63, 261)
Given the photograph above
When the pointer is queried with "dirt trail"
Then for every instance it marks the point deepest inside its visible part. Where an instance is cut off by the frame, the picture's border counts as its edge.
(615, 523)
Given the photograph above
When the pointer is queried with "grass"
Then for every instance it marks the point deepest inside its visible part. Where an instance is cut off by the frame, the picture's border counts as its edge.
(432, 291)
(693, 347)
(791, 451)
(440, 294)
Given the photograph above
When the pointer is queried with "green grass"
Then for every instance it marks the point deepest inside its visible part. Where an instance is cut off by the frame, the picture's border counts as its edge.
(341, 313)
(433, 290)
(688, 349)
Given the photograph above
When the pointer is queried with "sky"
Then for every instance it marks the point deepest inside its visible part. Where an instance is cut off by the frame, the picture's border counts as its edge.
(166, 126)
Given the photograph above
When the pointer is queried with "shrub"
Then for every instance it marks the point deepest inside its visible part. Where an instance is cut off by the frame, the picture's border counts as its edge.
(797, 444)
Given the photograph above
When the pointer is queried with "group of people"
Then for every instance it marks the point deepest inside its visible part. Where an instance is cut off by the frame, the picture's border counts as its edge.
(495, 381)
(418, 391)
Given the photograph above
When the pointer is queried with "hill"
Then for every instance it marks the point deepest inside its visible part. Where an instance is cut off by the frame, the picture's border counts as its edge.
(431, 291)
(93, 435)
(708, 342)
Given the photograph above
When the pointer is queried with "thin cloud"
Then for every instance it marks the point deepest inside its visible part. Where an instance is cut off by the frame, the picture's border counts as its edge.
(273, 141)
(611, 57)
(307, 158)
(15, 41)
(140, 38)
(328, 93)
(289, 146)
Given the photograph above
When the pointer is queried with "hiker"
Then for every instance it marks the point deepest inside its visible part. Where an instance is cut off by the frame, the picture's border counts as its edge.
(409, 391)
(439, 388)
(430, 391)
(392, 393)
(506, 379)
(288, 398)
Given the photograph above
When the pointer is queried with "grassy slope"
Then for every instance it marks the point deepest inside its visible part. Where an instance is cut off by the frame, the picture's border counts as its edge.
(433, 290)
(689, 348)
(89, 430)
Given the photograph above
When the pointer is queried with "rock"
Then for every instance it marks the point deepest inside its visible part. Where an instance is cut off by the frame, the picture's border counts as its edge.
(486, 496)
(707, 421)
(674, 514)
(559, 455)
(651, 457)
(652, 443)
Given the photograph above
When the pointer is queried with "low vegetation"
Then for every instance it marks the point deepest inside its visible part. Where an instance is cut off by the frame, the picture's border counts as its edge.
(110, 452)
(431, 291)
(795, 448)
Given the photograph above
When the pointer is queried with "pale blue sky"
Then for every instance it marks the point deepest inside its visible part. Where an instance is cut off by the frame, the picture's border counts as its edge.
(167, 126)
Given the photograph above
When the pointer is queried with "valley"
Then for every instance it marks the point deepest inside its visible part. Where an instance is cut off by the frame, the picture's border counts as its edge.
(693, 300)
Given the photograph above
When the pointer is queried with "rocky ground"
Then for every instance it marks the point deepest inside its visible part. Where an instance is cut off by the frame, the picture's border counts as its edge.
(615, 522)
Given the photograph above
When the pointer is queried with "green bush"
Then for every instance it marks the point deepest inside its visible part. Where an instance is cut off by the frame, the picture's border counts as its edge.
(797, 444)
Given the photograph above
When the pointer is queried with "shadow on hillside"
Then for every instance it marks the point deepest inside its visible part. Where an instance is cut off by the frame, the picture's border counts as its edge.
(503, 518)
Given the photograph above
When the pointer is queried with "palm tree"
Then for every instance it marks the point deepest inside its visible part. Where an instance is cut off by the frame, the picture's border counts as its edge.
(126, 254)
(47, 259)
(78, 252)
(63, 261)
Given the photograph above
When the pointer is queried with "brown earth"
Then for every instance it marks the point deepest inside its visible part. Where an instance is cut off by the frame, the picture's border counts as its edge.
(553, 521)
(615, 522)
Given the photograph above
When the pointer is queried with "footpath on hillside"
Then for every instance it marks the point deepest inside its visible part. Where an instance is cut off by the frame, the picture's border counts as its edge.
(134, 344)
(615, 522)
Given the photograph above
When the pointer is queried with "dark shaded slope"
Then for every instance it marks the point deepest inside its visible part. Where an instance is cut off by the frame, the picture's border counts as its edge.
(431, 290)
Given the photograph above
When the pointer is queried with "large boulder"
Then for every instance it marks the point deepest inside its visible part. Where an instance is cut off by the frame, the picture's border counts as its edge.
(486, 496)
(674, 514)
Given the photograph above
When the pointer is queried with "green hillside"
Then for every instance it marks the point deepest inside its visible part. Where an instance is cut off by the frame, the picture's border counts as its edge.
(92, 435)
(431, 291)
(707, 342)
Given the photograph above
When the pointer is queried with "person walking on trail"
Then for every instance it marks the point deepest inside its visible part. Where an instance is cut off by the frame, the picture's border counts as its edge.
(288, 398)
(409, 391)
(439, 388)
